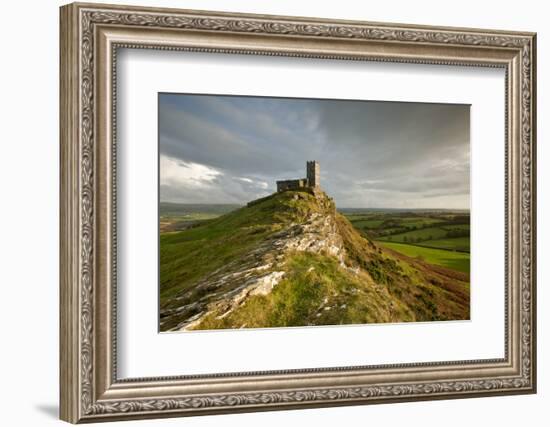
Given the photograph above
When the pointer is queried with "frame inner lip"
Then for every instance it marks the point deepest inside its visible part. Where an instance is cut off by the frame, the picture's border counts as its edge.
(331, 371)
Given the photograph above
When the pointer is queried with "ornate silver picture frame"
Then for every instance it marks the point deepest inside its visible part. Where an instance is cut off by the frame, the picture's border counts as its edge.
(91, 36)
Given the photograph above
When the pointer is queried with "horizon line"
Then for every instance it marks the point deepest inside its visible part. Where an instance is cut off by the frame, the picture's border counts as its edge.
(343, 207)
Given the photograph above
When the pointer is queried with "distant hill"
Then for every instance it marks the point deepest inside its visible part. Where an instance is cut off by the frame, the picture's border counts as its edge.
(292, 260)
(178, 209)
(398, 210)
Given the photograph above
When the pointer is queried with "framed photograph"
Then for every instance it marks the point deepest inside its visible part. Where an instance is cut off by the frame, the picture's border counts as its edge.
(266, 212)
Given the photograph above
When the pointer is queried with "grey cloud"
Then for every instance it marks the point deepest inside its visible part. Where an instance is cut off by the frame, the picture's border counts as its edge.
(372, 154)
(259, 145)
(223, 189)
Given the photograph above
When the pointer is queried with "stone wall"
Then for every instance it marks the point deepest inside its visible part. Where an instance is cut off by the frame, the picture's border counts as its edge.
(291, 184)
(312, 181)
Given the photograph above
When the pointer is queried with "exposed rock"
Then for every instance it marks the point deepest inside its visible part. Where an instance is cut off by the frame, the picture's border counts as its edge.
(258, 273)
(267, 283)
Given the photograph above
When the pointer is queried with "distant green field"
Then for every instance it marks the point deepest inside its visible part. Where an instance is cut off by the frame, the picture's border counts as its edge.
(169, 209)
(198, 216)
(367, 223)
(455, 260)
(359, 216)
(172, 223)
(454, 244)
(422, 234)
(420, 222)
(457, 227)
(180, 216)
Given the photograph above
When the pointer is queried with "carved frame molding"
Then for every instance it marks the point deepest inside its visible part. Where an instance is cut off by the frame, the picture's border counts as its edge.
(90, 37)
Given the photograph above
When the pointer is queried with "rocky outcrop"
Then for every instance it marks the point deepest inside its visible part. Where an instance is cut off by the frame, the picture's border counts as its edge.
(259, 272)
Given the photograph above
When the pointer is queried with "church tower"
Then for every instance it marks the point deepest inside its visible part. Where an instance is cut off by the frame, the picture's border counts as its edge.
(313, 173)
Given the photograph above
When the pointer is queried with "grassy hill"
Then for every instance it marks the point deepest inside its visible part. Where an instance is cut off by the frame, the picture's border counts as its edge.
(291, 260)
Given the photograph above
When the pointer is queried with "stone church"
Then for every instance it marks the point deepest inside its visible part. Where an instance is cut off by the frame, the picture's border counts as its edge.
(311, 180)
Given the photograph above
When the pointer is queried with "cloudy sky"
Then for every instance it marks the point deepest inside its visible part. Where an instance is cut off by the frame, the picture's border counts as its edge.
(231, 149)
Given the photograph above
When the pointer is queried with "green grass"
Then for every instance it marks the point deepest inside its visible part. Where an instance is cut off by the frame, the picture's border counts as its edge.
(459, 261)
(315, 291)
